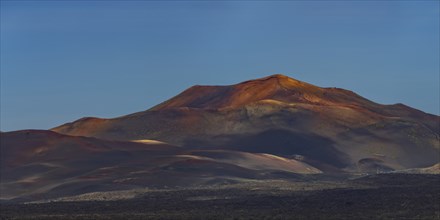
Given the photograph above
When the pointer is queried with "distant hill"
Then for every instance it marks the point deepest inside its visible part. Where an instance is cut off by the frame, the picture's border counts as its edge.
(37, 164)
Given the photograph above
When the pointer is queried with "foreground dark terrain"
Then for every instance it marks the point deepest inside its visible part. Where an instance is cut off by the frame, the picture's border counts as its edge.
(383, 196)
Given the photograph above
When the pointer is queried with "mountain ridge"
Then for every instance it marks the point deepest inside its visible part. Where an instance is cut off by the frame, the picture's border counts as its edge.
(268, 128)
(281, 116)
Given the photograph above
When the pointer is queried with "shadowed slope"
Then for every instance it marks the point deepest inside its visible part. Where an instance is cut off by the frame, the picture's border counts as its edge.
(35, 161)
(282, 89)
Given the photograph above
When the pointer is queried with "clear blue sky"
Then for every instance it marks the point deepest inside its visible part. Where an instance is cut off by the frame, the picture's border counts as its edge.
(63, 60)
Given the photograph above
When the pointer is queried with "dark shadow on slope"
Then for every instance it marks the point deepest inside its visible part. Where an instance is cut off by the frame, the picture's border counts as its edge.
(319, 150)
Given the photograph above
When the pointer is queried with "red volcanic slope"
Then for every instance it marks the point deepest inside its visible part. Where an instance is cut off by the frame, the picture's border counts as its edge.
(280, 88)
(275, 87)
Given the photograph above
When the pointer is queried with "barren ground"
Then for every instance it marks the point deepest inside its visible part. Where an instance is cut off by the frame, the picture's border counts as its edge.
(385, 196)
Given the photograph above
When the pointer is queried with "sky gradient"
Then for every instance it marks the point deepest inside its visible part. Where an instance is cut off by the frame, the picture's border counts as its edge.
(61, 61)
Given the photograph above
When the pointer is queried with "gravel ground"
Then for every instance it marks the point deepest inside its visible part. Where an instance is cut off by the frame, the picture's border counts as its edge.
(391, 196)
